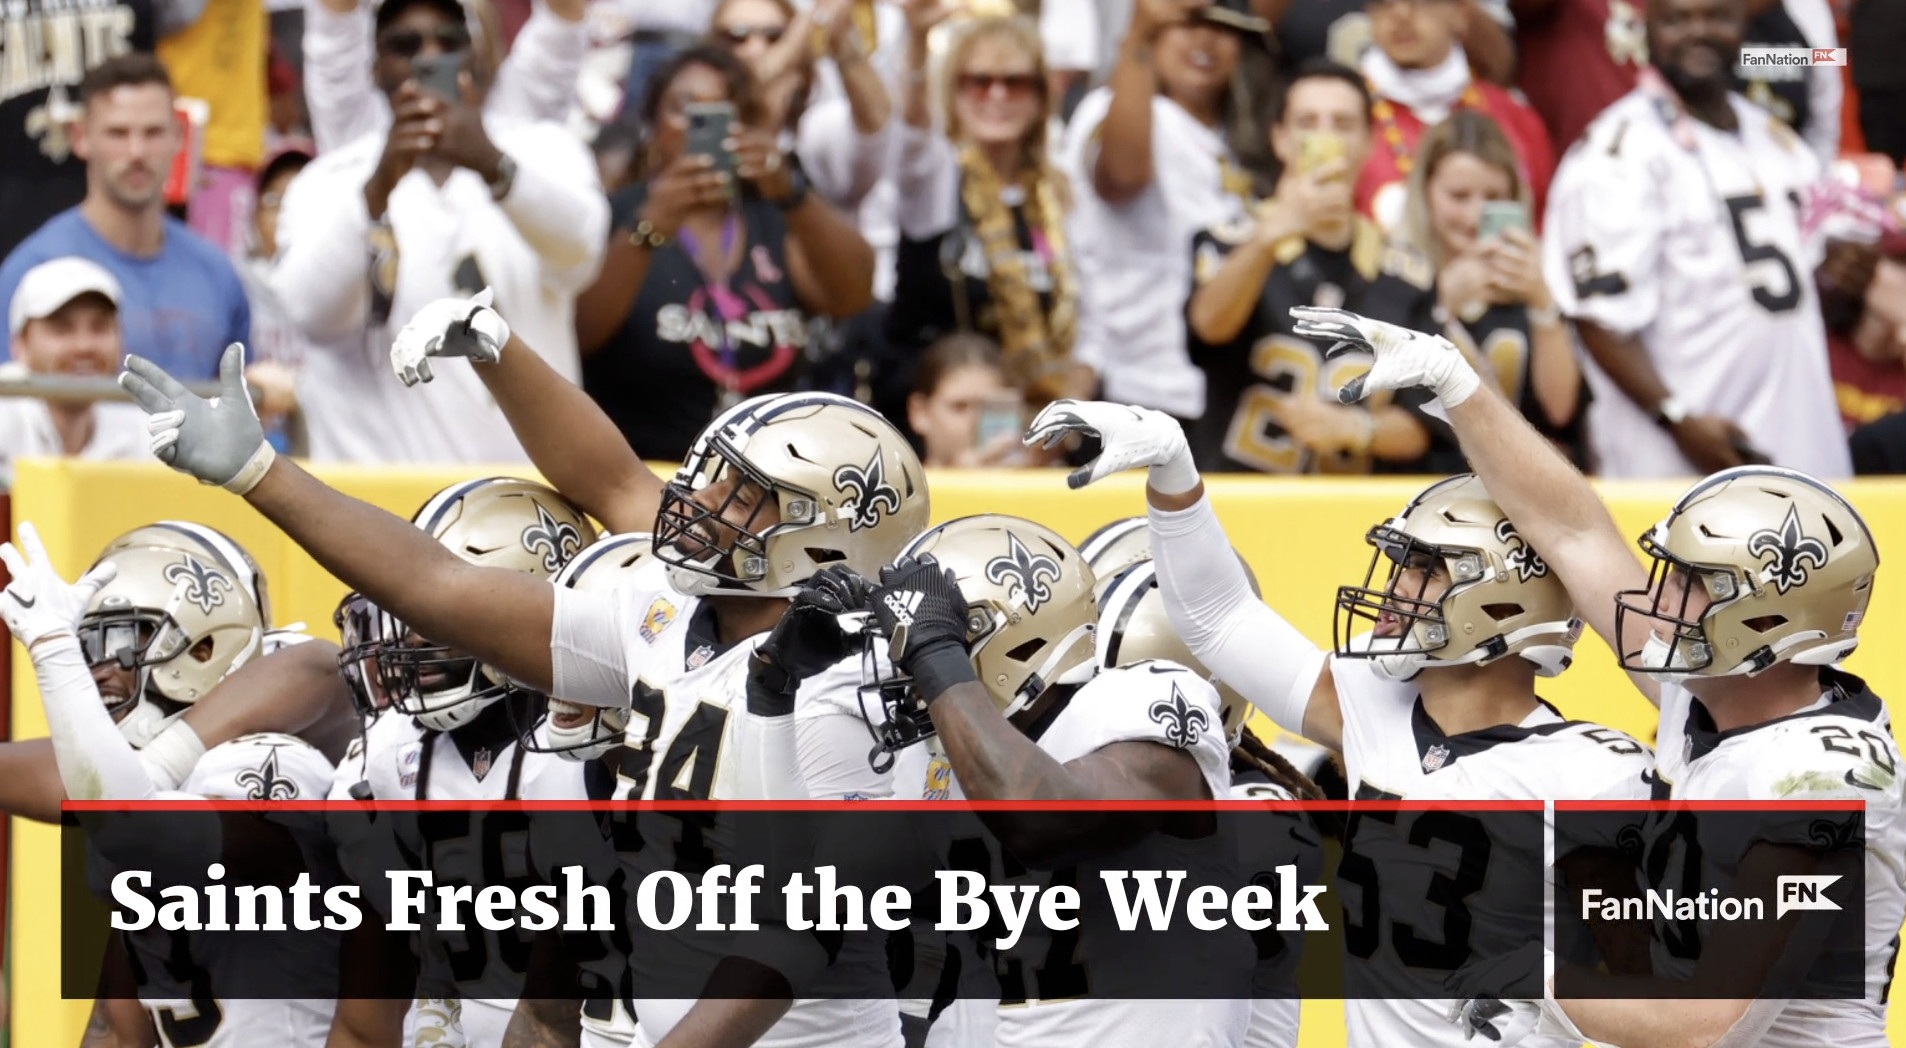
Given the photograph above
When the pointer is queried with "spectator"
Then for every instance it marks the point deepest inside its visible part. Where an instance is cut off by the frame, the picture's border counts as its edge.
(1805, 98)
(1675, 244)
(1868, 349)
(841, 143)
(63, 319)
(278, 348)
(342, 41)
(39, 175)
(662, 28)
(958, 381)
(180, 300)
(221, 57)
(1577, 58)
(1419, 75)
(449, 200)
(705, 292)
(1880, 77)
(1491, 289)
(1173, 144)
(983, 225)
(1272, 403)
(1340, 30)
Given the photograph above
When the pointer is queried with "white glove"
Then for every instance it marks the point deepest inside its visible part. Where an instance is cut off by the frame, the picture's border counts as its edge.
(219, 441)
(1494, 1020)
(38, 604)
(1481, 1008)
(1131, 437)
(449, 327)
(1405, 358)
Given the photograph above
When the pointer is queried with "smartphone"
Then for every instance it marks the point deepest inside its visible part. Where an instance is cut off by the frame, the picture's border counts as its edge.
(1498, 215)
(1002, 412)
(1319, 148)
(438, 75)
(709, 126)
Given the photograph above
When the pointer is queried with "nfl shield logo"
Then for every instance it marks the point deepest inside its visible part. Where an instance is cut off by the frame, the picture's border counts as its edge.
(480, 763)
(700, 656)
(1435, 758)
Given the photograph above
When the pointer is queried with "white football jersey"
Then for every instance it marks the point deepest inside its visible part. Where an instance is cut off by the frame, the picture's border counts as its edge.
(1841, 748)
(691, 736)
(1690, 240)
(1393, 750)
(1276, 1008)
(181, 991)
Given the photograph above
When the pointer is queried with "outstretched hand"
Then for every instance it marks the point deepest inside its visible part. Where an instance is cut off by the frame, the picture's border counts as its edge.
(219, 441)
(38, 603)
(1404, 358)
(1131, 437)
(449, 327)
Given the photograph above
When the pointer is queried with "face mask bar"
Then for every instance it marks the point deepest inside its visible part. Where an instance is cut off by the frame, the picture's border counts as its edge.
(706, 540)
(1360, 607)
(596, 737)
(403, 664)
(131, 640)
(893, 711)
(365, 632)
(1688, 651)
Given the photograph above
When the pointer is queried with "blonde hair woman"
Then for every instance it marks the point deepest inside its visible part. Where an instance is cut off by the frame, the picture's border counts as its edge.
(1489, 282)
(983, 209)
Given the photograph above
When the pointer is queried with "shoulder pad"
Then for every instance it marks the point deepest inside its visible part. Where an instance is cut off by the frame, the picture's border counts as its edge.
(1408, 265)
(1825, 758)
(1184, 703)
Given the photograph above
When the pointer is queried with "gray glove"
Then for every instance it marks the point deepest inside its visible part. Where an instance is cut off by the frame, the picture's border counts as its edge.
(219, 441)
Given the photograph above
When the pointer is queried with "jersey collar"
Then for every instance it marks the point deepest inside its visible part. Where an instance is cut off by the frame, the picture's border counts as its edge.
(1438, 750)
(1847, 696)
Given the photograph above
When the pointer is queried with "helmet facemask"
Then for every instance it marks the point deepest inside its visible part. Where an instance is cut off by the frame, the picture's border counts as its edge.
(1422, 628)
(442, 688)
(600, 730)
(136, 640)
(723, 548)
(365, 632)
(1689, 651)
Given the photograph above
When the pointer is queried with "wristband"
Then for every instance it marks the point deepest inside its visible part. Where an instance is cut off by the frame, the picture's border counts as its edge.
(252, 471)
(939, 668)
(647, 236)
(770, 688)
(1174, 477)
(1550, 317)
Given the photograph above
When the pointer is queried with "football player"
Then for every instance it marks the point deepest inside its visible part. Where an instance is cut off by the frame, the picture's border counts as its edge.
(774, 489)
(177, 979)
(1435, 700)
(1756, 583)
(450, 732)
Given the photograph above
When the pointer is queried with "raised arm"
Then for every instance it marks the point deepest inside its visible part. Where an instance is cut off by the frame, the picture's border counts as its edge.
(569, 438)
(501, 617)
(1123, 166)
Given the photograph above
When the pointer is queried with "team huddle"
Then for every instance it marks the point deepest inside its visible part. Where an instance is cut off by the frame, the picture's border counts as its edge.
(741, 631)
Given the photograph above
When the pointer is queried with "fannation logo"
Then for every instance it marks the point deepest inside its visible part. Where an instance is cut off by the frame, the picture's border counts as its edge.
(1765, 57)
(1795, 893)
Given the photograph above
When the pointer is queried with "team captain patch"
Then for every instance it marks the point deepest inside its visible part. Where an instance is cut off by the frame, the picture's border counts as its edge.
(657, 618)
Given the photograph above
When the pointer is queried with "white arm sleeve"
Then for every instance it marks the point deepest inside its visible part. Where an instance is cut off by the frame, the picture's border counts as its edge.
(1237, 636)
(339, 93)
(537, 79)
(588, 659)
(95, 760)
(927, 174)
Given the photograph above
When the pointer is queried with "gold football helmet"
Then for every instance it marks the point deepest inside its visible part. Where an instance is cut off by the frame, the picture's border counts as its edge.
(1785, 569)
(1134, 627)
(583, 733)
(780, 486)
(498, 522)
(182, 613)
(1501, 599)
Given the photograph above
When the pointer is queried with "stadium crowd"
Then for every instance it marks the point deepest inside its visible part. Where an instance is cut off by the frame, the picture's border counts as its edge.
(957, 211)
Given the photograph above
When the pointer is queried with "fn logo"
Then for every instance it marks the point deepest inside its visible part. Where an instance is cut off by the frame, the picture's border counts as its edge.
(1804, 893)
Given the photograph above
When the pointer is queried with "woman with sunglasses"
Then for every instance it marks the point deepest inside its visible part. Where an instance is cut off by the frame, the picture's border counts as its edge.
(839, 140)
(983, 239)
(718, 259)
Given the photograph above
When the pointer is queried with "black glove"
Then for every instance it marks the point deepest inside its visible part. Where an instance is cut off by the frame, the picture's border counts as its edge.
(808, 638)
(921, 610)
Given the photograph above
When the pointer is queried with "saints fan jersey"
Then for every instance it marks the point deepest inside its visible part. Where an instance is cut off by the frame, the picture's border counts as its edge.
(1294, 841)
(1393, 750)
(177, 975)
(1247, 378)
(1840, 748)
(692, 736)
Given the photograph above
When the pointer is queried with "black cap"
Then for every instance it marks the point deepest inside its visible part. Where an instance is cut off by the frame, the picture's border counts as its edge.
(388, 10)
(1234, 14)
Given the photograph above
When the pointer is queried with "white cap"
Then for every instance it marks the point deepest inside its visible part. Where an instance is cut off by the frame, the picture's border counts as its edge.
(50, 285)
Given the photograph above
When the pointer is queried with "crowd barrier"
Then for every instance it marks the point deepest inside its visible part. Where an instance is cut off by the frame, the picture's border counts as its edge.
(1304, 537)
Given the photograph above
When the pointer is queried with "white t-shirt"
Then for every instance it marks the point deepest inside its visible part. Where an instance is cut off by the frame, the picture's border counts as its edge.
(1698, 252)
(26, 431)
(1135, 260)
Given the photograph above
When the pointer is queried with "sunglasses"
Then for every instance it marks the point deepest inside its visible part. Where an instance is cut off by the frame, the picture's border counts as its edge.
(409, 43)
(741, 34)
(1017, 85)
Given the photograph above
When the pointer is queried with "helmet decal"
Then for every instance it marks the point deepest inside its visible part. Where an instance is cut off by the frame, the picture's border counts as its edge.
(263, 783)
(1791, 549)
(1525, 562)
(202, 583)
(1025, 574)
(1184, 723)
(871, 492)
(556, 540)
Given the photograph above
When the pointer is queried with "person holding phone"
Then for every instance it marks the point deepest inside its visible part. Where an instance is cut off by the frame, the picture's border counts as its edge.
(1270, 403)
(449, 200)
(1468, 213)
(961, 409)
(720, 257)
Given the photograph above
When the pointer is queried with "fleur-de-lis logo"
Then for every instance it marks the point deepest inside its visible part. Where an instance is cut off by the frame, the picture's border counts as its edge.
(1791, 550)
(1025, 574)
(1184, 723)
(870, 490)
(556, 540)
(48, 123)
(1525, 562)
(203, 585)
(263, 783)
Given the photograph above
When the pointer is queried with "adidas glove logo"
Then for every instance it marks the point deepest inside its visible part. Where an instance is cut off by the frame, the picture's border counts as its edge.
(903, 604)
